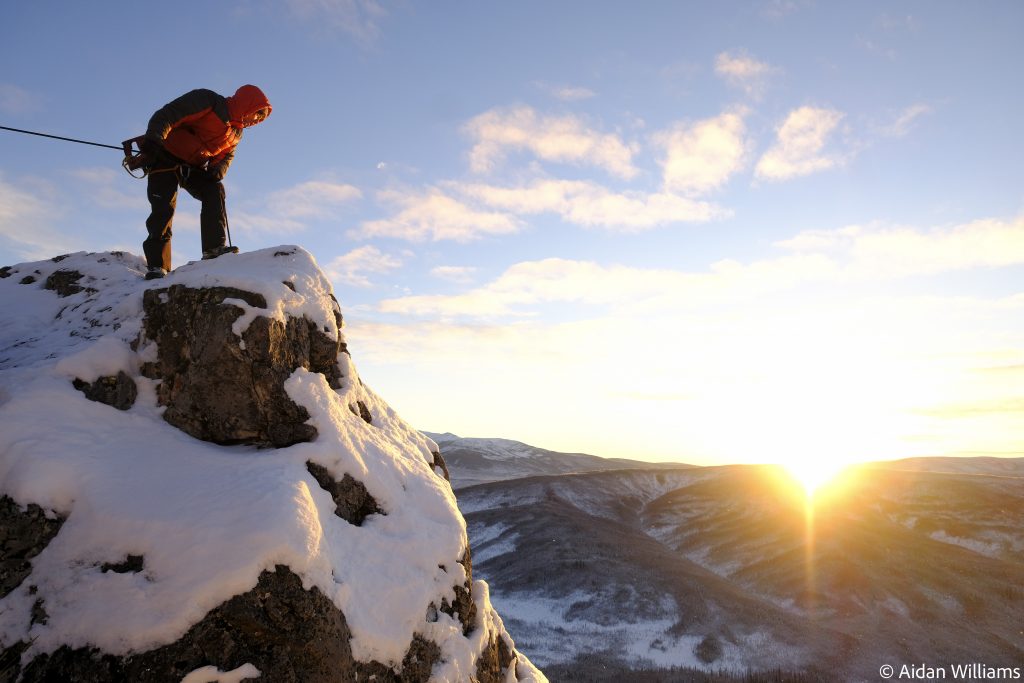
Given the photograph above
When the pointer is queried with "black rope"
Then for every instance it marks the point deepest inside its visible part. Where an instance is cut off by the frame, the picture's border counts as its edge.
(57, 137)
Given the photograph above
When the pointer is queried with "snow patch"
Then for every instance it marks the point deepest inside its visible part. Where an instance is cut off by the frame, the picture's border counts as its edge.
(211, 674)
(980, 547)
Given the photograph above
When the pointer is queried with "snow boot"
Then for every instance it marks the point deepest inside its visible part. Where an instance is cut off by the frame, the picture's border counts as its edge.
(155, 273)
(219, 251)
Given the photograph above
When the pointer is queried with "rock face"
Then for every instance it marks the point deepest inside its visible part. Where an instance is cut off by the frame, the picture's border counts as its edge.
(140, 554)
(220, 390)
(290, 634)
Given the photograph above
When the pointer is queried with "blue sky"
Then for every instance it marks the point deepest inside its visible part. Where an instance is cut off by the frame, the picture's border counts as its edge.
(707, 232)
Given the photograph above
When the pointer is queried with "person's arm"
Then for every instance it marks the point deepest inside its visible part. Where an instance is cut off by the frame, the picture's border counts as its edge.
(188, 107)
(218, 167)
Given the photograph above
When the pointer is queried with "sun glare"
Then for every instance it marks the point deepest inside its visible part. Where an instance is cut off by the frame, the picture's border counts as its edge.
(813, 475)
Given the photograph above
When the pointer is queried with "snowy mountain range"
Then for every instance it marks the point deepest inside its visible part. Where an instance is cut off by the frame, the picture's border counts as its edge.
(478, 461)
(698, 569)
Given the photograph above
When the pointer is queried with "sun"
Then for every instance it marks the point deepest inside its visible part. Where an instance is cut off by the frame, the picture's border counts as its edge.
(813, 474)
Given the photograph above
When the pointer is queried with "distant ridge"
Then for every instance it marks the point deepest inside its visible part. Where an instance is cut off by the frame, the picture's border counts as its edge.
(474, 461)
(981, 464)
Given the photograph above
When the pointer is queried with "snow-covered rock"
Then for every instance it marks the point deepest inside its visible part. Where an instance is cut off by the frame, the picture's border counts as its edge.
(196, 485)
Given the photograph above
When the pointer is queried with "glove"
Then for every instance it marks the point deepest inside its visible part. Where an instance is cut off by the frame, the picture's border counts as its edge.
(151, 148)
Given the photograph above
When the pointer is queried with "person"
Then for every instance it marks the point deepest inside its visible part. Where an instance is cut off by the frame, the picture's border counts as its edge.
(190, 142)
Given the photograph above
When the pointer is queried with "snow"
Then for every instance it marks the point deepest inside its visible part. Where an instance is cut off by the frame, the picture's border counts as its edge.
(554, 638)
(209, 519)
(211, 674)
(980, 547)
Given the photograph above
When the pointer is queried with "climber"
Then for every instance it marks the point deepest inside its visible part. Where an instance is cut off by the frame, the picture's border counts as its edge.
(190, 142)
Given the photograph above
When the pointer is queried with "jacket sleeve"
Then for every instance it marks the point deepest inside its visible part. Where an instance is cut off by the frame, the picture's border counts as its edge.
(219, 167)
(189, 106)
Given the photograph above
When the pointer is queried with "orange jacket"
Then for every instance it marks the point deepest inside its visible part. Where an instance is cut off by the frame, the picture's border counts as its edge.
(203, 128)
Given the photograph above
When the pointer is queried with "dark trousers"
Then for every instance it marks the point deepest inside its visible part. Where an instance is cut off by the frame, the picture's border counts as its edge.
(163, 196)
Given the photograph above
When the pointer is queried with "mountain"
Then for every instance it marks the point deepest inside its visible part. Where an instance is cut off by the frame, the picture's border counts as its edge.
(478, 461)
(997, 466)
(693, 572)
(196, 485)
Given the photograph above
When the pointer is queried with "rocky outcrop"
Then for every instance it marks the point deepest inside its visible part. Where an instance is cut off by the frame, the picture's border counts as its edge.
(225, 388)
(353, 502)
(290, 634)
(23, 535)
(349, 515)
(118, 391)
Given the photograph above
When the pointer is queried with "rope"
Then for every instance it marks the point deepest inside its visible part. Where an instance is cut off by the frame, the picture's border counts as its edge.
(57, 137)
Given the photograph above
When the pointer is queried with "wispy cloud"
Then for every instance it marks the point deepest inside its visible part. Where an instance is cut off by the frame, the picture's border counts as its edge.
(358, 18)
(799, 145)
(742, 71)
(16, 101)
(701, 156)
(755, 338)
(902, 22)
(352, 268)
(566, 93)
(103, 187)
(457, 274)
(556, 280)
(843, 257)
(905, 120)
(253, 221)
(27, 211)
(884, 251)
(777, 9)
(565, 139)
(432, 215)
(591, 205)
(311, 199)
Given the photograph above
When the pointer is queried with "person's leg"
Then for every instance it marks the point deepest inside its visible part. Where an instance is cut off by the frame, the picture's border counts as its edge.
(213, 218)
(162, 190)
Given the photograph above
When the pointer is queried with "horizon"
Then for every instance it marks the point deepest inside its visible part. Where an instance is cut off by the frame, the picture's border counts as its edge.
(768, 232)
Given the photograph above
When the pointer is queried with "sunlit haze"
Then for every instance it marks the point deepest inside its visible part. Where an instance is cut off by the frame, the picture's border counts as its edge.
(712, 233)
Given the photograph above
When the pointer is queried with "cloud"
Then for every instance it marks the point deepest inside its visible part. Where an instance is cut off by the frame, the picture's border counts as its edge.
(905, 22)
(592, 205)
(905, 120)
(881, 251)
(433, 215)
(551, 138)
(799, 144)
(800, 347)
(358, 18)
(258, 221)
(102, 187)
(847, 257)
(566, 93)
(312, 199)
(777, 9)
(352, 268)
(457, 274)
(567, 281)
(742, 71)
(15, 100)
(26, 216)
(286, 211)
(701, 156)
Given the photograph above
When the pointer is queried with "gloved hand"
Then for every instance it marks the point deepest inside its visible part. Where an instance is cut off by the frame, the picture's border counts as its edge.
(198, 175)
(150, 148)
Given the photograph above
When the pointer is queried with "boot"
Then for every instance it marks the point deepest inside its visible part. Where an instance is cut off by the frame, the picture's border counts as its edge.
(219, 251)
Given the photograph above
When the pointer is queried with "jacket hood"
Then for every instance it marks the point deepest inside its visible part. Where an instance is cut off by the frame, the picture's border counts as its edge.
(246, 101)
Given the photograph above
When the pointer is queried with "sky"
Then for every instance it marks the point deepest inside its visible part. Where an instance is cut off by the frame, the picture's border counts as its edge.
(764, 231)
